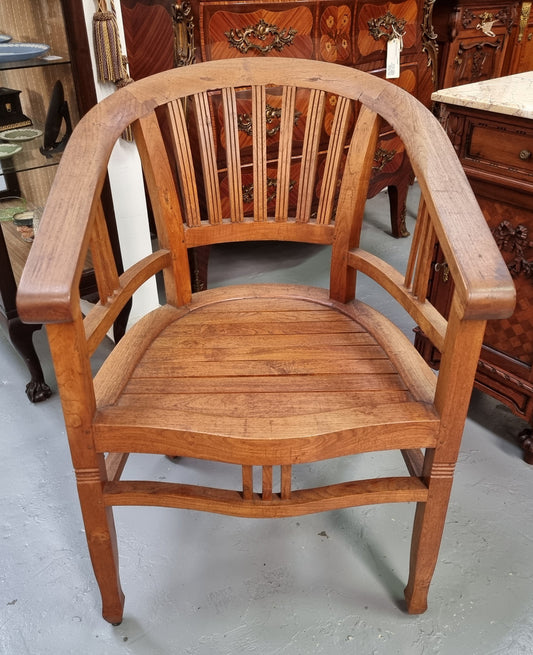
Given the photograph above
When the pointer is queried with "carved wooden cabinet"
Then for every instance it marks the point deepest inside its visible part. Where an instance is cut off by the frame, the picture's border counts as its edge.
(496, 150)
(354, 33)
(473, 38)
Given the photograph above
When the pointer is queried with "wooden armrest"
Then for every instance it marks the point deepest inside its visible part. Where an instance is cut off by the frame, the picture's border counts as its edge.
(483, 283)
(48, 289)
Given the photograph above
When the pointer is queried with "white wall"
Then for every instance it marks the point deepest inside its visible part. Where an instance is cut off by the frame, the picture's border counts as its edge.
(127, 188)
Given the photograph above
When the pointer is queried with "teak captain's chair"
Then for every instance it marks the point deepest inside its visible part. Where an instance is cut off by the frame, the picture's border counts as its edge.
(262, 375)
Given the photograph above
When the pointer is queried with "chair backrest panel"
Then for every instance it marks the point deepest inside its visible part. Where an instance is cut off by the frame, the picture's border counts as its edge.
(447, 193)
(274, 193)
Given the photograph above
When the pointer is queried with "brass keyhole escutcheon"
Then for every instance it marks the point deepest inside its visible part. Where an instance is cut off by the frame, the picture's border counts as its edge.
(444, 270)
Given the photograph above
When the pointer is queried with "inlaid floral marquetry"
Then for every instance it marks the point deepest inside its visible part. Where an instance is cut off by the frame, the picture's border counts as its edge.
(335, 36)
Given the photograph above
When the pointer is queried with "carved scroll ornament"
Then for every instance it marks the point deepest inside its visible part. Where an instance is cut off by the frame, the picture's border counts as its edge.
(388, 26)
(514, 240)
(183, 25)
(429, 39)
(478, 57)
(245, 39)
(484, 20)
(382, 157)
(524, 18)
(244, 121)
(248, 190)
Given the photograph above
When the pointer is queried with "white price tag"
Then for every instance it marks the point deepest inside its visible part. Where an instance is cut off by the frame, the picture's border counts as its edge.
(394, 48)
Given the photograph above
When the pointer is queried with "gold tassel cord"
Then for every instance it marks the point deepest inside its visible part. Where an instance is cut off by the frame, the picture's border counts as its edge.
(107, 45)
(110, 64)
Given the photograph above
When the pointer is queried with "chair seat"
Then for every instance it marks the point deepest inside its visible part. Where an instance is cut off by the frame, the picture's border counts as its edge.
(289, 377)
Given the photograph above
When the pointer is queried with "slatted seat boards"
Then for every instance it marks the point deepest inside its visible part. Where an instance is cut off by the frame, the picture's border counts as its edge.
(263, 375)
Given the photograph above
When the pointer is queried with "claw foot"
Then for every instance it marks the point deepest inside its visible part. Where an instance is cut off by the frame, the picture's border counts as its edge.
(38, 391)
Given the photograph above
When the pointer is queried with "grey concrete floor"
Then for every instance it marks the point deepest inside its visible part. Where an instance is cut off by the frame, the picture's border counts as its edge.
(200, 584)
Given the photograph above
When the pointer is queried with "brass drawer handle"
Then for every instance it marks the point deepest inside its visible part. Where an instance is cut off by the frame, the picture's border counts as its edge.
(524, 155)
(244, 39)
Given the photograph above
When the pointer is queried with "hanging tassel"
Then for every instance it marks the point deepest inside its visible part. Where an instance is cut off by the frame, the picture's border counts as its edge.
(107, 45)
(110, 63)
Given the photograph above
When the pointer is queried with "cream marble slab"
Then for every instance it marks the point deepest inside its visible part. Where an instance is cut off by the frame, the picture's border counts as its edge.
(512, 95)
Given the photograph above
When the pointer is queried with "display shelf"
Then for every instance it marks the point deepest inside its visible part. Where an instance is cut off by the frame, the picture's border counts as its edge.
(38, 62)
(29, 158)
(29, 174)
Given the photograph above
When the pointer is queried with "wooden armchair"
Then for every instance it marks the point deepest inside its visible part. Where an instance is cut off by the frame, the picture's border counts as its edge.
(262, 375)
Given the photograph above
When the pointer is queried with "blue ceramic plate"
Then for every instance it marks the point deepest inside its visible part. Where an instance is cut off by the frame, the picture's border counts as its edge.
(4, 38)
(21, 51)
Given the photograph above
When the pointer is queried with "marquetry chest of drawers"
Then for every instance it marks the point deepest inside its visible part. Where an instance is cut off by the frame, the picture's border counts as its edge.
(353, 33)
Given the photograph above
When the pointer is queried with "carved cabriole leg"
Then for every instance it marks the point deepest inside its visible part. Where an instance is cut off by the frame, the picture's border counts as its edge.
(102, 541)
(398, 209)
(21, 335)
(526, 440)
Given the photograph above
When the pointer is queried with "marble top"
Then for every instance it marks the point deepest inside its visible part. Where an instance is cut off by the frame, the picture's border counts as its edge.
(511, 95)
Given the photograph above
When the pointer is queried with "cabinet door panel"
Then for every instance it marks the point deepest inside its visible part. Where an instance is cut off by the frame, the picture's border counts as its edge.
(474, 60)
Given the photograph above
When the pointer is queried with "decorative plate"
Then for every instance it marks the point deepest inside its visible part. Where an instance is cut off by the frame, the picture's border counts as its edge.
(21, 51)
(23, 219)
(20, 134)
(4, 38)
(9, 149)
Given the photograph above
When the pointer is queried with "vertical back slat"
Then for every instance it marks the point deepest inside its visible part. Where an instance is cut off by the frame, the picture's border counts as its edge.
(420, 227)
(165, 205)
(352, 200)
(185, 164)
(105, 269)
(288, 105)
(259, 136)
(313, 129)
(206, 144)
(424, 259)
(329, 181)
(233, 155)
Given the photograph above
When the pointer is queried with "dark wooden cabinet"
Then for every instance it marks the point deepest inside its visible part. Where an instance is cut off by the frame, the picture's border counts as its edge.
(474, 39)
(496, 150)
(354, 33)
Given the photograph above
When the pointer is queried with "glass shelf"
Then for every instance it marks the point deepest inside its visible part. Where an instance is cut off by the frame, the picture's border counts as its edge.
(29, 158)
(38, 62)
